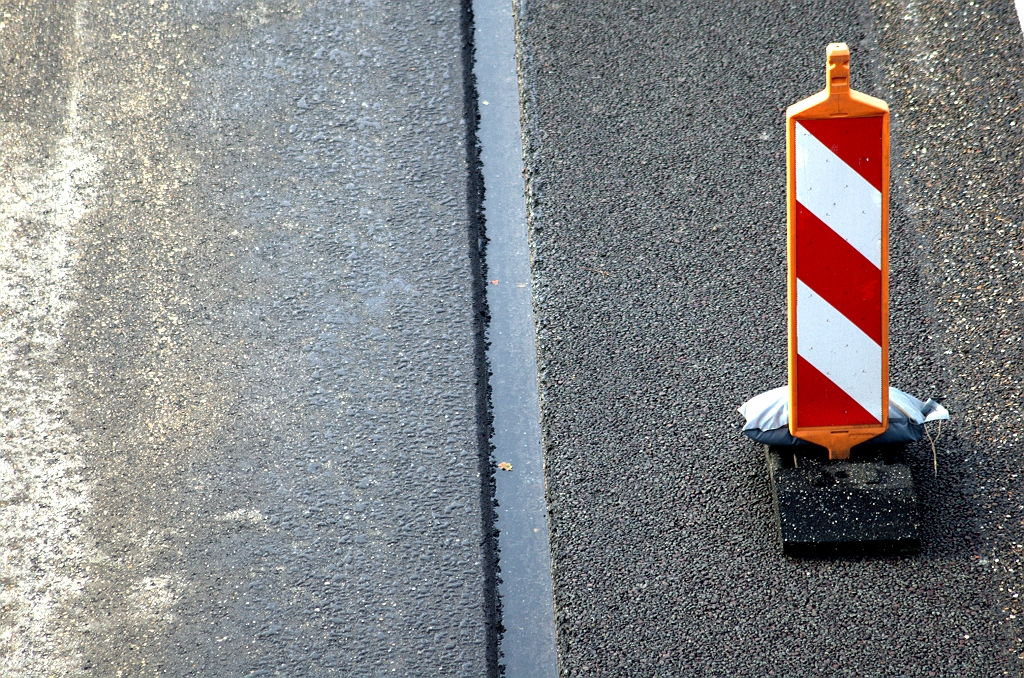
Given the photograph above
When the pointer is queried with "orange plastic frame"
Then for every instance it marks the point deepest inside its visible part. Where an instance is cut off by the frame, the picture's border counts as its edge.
(837, 100)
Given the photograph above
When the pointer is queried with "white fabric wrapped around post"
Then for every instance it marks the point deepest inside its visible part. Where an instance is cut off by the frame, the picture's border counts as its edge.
(767, 418)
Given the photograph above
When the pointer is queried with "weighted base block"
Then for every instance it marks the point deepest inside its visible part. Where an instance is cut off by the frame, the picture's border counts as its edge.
(864, 506)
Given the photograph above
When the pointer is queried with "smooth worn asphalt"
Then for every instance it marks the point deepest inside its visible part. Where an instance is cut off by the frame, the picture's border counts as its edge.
(240, 351)
(655, 145)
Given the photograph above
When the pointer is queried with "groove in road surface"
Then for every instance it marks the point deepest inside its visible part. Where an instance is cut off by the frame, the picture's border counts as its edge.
(528, 643)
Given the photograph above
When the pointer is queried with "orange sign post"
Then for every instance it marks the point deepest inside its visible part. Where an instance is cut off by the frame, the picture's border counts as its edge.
(837, 146)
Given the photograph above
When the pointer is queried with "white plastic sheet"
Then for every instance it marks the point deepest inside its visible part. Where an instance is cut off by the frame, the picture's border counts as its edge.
(767, 416)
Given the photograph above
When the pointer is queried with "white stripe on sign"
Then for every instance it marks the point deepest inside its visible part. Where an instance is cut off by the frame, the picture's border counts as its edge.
(839, 349)
(836, 194)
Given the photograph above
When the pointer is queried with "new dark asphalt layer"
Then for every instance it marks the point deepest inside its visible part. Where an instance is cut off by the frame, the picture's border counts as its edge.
(655, 167)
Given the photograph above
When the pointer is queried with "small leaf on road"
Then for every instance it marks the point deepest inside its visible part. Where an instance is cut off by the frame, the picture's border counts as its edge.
(505, 466)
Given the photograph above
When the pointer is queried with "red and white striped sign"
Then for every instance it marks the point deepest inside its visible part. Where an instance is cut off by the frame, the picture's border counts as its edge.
(837, 176)
(838, 271)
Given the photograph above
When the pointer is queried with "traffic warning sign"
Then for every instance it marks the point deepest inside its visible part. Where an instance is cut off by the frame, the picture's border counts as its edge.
(838, 202)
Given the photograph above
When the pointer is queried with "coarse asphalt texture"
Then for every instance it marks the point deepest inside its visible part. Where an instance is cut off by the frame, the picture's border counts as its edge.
(239, 344)
(655, 153)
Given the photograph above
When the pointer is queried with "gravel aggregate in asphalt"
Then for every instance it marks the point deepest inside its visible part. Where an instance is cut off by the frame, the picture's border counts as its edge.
(655, 153)
(240, 352)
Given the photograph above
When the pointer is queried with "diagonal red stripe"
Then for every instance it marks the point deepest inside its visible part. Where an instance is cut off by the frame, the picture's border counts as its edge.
(857, 142)
(819, 402)
(840, 274)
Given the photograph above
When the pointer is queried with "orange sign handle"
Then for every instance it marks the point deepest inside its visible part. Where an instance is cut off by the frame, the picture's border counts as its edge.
(837, 70)
(836, 101)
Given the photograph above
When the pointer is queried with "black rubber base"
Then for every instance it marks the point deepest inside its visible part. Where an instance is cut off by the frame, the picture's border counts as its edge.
(861, 507)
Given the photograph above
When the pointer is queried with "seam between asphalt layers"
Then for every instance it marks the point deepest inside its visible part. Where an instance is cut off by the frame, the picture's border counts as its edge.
(477, 241)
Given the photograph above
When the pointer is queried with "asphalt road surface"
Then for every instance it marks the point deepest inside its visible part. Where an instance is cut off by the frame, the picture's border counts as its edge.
(655, 167)
(239, 355)
(242, 411)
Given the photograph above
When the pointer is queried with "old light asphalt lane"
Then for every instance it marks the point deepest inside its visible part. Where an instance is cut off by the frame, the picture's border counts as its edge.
(239, 347)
